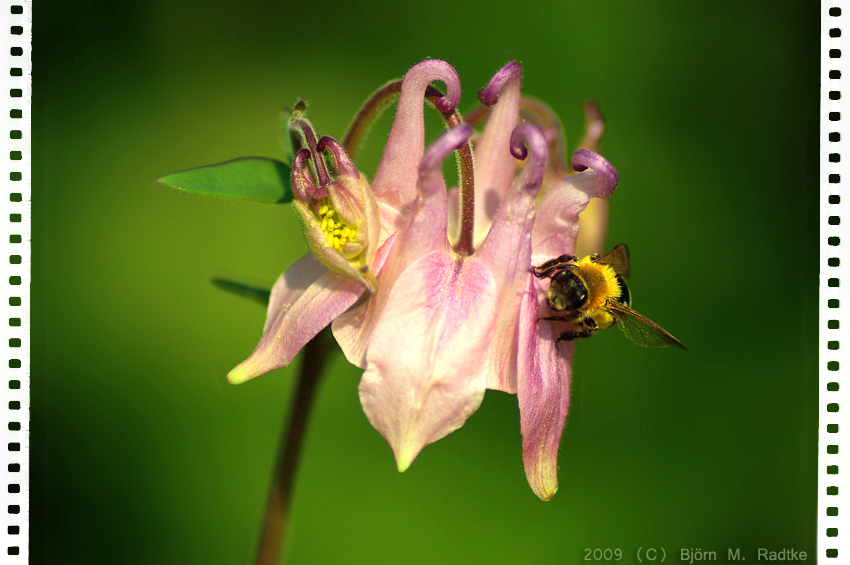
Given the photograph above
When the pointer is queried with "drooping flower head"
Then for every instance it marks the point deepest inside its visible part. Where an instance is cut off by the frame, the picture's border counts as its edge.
(452, 307)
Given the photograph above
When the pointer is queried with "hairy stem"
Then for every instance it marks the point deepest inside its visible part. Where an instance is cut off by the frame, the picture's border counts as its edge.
(369, 112)
(273, 533)
(466, 181)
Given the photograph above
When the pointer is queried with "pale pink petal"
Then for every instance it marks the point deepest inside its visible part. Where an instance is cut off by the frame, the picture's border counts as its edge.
(425, 363)
(352, 329)
(395, 179)
(556, 226)
(304, 300)
(425, 230)
(391, 220)
(494, 165)
(507, 253)
(543, 392)
(291, 284)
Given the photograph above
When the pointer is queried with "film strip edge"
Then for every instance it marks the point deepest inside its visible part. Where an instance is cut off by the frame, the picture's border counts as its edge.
(16, 262)
(832, 326)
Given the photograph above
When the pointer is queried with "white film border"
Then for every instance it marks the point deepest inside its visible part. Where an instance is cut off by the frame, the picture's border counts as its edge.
(15, 261)
(834, 424)
(834, 337)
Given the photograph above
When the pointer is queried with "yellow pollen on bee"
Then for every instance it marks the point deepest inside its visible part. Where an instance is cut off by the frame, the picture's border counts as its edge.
(601, 283)
(337, 233)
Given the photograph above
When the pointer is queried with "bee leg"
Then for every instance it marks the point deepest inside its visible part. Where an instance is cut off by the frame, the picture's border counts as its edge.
(549, 267)
(589, 328)
(566, 317)
(569, 336)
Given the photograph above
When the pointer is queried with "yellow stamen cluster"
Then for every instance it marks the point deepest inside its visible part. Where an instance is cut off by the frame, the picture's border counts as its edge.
(337, 233)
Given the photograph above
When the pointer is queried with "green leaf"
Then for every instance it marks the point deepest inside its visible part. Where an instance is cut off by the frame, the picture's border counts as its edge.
(257, 179)
(254, 293)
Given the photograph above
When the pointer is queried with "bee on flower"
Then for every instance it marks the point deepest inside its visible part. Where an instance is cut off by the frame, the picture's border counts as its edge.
(429, 290)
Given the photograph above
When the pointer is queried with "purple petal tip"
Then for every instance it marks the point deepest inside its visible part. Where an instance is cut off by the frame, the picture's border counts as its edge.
(489, 95)
(343, 161)
(527, 137)
(444, 72)
(584, 159)
(445, 144)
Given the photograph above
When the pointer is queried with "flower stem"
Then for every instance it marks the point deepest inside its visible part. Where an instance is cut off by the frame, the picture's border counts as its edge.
(273, 533)
(466, 182)
(371, 111)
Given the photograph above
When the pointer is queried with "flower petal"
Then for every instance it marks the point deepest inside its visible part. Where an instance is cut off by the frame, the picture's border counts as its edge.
(352, 329)
(593, 222)
(507, 253)
(543, 393)
(304, 300)
(494, 164)
(424, 231)
(605, 177)
(395, 179)
(556, 226)
(424, 367)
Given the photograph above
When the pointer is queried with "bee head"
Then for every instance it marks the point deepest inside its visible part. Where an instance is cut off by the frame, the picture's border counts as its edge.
(567, 291)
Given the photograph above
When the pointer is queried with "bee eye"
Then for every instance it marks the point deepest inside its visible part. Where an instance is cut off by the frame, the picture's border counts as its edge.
(567, 291)
(625, 294)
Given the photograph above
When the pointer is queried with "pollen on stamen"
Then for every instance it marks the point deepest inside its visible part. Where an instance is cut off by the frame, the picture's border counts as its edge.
(337, 232)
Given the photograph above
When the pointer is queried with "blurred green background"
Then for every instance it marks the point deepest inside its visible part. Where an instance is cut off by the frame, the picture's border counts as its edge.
(141, 453)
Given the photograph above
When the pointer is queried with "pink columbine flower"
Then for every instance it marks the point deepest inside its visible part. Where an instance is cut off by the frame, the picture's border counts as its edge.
(454, 308)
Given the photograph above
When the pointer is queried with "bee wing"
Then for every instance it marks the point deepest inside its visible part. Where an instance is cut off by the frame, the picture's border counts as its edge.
(618, 259)
(640, 329)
